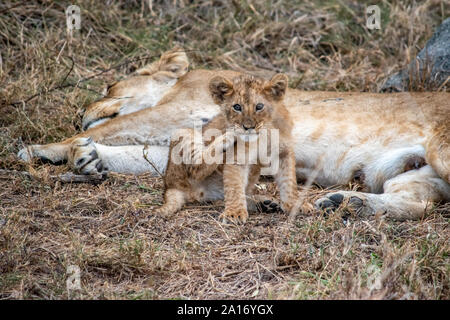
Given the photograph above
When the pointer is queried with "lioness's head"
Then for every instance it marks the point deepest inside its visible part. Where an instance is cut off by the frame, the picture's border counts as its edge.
(250, 104)
(142, 91)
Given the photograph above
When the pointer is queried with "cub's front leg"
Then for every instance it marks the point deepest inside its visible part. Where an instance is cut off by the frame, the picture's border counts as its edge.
(203, 155)
(287, 182)
(234, 184)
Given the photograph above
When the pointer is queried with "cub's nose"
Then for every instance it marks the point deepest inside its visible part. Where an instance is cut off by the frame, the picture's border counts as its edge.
(248, 127)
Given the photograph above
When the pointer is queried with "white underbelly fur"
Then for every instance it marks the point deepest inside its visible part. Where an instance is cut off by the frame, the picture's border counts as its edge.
(329, 161)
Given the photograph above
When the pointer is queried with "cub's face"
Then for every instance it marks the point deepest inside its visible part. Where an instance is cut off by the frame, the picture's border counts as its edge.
(248, 103)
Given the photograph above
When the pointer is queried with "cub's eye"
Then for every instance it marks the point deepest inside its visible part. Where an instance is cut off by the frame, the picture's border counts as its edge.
(237, 107)
(259, 106)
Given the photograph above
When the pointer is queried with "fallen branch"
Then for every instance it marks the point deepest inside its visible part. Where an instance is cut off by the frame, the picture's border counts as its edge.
(68, 177)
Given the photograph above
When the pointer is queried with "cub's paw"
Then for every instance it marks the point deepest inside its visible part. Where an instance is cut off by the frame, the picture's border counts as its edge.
(164, 211)
(350, 201)
(235, 216)
(268, 206)
(84, 158)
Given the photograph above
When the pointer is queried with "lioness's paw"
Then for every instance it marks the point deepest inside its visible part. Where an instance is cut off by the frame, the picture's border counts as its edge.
(25, 154)
(351, 201)
(268, 206)
(235, 216)
(84, 158)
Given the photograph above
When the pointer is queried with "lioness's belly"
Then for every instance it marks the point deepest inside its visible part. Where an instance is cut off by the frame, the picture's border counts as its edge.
(332, 156)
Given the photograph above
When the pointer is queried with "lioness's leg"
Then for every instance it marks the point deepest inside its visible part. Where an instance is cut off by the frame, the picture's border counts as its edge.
(153, 127)
(87, 157)
(55, 153)
(124, 159)
(406, 196)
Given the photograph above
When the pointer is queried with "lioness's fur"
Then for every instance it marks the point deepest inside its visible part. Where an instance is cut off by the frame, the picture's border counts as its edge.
(396, 145)
(248, 107)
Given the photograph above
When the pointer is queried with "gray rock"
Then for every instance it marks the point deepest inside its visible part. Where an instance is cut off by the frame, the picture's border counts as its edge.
(431, 66)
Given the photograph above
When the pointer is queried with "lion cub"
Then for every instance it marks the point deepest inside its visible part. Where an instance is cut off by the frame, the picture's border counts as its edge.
(223, 161)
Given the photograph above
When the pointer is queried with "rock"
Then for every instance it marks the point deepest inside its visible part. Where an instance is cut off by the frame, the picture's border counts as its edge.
(433, 64)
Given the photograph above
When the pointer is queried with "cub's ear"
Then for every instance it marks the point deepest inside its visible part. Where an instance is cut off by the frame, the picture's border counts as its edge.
(276, 87)
(172, 65)
(220, 87)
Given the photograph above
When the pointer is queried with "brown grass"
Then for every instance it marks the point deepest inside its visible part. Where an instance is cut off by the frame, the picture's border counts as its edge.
(109, 231)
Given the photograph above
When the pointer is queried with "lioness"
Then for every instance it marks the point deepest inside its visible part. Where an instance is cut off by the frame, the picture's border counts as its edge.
(396, 145)
(251, 109)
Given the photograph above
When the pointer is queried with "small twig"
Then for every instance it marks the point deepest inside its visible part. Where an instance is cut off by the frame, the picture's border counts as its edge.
(76, 85)
(38, 94)
(149, 161)
(12, 7)
(70, 71)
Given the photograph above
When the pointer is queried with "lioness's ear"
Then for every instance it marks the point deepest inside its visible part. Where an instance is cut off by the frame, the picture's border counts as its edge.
(172, 65)
(175, 61)
(220, 87)
(276, 87)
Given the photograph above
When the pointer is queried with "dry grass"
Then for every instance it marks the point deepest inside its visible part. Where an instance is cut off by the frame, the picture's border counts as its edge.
(109, 231)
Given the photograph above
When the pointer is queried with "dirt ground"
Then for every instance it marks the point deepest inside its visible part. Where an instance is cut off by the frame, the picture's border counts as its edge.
(107, 231)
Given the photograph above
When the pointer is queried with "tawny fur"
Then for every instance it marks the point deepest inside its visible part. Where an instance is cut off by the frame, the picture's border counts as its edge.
(194, 182)
(396, 145)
